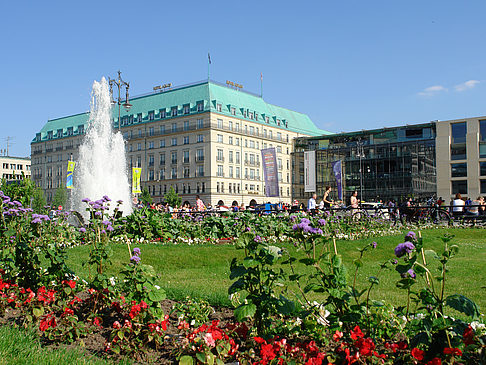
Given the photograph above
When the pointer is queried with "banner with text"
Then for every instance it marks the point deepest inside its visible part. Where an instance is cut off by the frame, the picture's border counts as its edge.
(337, 168)
(69, 177)
(136, 175)
(270, 171)
(310, 171)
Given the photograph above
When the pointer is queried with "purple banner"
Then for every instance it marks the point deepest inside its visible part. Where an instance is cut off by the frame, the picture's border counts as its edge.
(270, 171)
(338, 174)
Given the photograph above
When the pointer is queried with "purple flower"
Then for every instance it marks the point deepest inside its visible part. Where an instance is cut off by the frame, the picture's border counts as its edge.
(96, 206)
(109, 229)
(307, 229)
(395, 261)
(293, 218)
(374, 244)
(98, 214)
(411, 273)
(119, 201)
(85, 200)
(135, 259)
(106, 223)
(82, 230)
(404, 248)
(247, 229)
(106, 199)
(305, 221)
(103, 231)
(17, 203)
(257, 239)
(411, 236)
(36, 220)
(322, 222)
(136, 251)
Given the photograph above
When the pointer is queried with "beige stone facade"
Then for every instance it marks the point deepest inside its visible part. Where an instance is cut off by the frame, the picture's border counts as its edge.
(14, 168)
(461, 157)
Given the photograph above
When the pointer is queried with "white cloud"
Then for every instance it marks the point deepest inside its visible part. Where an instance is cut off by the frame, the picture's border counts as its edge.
(432, 90)
(466, 85)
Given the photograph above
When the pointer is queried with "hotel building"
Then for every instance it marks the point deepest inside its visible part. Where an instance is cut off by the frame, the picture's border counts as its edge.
(14, 168)
(203, 139)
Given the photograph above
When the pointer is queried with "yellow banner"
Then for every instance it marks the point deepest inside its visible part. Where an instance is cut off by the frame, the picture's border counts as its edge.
(136, 174)
(69, 177)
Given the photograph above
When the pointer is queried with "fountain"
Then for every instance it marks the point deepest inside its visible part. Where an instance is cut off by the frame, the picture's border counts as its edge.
(101, 168)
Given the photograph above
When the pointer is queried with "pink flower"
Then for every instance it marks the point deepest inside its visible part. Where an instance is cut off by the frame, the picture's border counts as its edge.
(208, 338)
(116, 325)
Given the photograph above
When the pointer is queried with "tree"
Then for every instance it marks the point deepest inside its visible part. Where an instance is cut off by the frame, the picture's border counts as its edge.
(172, 198)
(38, 201)
(145, 197)
(60, 197)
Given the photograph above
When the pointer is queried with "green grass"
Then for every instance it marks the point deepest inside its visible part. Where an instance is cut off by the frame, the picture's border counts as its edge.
(203, 271)
(19, 347)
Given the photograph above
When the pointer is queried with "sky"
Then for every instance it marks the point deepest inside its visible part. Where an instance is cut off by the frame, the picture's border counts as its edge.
(349, 65)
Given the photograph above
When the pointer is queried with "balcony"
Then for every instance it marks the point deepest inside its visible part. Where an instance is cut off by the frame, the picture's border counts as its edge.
(199, 158)
(219, 158)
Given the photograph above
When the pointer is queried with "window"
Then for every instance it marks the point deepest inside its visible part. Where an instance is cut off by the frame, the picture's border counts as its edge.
(231, 172)
(186, 139)
(151, 131)
(483, 186)
(279, 163)
(219, 155)
(173, 111)
(252, 174)
(162, 113)
(162, 143)
(200, 154)
(233, 111)
(458, 132)
(151, 161)
(59, 133)
(186, 109)
(482, 169)
(162, 159)
(174, 173)
(200, 171)
(186, 125)
(70, 131)
(49, 134)
(230, 140)
(252, 143)
(200, 138)
(230, 125)
(220, 138)
(174, 141)
(218, 107)
(279, 149)
(174, 127)
(270, 134)
(230, 157)
(187, 174)
(237, 128)
(139, 146)
(459, 186)
(151, 115)
(220, 123)
(186, 157)
(200, 106)
(173, 157)
(199, 123)
(265, 133)
(237, 172)
(162, 129)
(237, 157)
(459, 170)
(252, 130)
(279, 136)
(80, 130)
(217, 187)
(458, 151)
(139, 161)
(237, 141)
(151, 145)
(140, 132)
(482, 138)
(220, 171)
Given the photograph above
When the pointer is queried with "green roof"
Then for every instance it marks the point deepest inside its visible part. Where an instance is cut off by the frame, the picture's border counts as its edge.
(209, 94)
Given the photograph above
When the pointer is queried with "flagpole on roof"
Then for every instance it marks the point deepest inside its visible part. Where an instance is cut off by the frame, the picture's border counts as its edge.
(209, 62)
(261, 85)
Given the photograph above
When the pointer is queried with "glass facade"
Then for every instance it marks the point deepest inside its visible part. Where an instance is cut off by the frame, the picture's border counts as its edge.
(458, 141)
(392, 163)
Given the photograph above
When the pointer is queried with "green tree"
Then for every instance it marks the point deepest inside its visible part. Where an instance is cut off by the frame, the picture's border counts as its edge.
(60, 197)
(145, 197)
(172, 198)
(20, 190)
(38, 201)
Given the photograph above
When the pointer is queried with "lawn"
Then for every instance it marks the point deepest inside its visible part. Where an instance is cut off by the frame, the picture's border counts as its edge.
(203, 271)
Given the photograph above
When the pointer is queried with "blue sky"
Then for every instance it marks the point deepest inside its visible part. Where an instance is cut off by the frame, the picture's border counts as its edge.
(349, 65)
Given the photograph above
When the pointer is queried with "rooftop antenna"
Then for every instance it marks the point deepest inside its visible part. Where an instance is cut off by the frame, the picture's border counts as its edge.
(8, 144)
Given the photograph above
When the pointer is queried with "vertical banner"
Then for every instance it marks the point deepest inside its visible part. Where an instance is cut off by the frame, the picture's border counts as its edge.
(136, 174)
(270, 171)
(338, 174)
(310, 171)
(69, 177)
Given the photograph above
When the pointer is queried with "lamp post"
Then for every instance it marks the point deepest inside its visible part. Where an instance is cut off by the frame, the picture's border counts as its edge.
(120, 84)
(360, 154)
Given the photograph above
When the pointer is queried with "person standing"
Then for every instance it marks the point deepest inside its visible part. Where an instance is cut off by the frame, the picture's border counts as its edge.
(311, 204)
(354, 200)
(326, 198)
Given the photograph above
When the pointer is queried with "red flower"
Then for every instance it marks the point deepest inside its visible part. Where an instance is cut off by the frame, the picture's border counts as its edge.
(143, 305)
(452, 351)
(356, 333)
(435, 361)
(70, 283)
(135, 310)
(267, 353)
(365, 346)
(46, 322)
(418, 354)
(68, 312)
(97, 322)
(468, 336)
(337, 336)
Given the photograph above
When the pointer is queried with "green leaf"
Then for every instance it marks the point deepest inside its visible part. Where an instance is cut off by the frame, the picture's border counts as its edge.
(186, 360)
(463, 305)
(358, 263)
(374, 280)
(249, 262)
(245, 311)
(307, 261)
(237, 286)
(157, 295)
(238, 271)
(201, 356)
(38, 312)
(432, 253)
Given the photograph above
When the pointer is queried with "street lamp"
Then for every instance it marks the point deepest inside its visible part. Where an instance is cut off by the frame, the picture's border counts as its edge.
(360, 154)
(120, 84)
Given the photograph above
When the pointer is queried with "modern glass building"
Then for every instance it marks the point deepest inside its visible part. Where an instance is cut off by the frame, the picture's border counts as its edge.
(381, 164)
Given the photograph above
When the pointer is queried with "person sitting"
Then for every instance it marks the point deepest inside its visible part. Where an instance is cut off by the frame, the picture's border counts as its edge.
(473, 208)
(353, 200)
(311, 205)
(458, 205)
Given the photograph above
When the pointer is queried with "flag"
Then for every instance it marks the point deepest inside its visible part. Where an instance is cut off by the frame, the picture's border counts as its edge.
(261, 76)
(209, 58)
(338, 174)
(136, 174)
(69, 177)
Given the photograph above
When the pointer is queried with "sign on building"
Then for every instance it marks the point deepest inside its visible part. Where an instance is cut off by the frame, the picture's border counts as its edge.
(310, 171)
